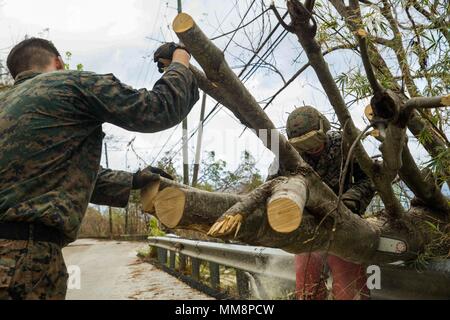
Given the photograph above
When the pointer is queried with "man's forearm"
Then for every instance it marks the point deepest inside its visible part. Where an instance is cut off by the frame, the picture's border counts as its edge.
(112, 188)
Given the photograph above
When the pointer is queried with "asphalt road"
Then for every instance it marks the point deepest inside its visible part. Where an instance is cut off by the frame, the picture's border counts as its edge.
(110, 270)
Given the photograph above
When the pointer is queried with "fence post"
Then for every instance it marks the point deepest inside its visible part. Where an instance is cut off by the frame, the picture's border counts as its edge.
(243, 284)
(214, 275)
(172, 256)
(182, 266)
(162, 256)
(195, 268)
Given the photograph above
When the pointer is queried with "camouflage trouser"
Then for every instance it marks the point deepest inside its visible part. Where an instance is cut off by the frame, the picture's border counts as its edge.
(31, 270)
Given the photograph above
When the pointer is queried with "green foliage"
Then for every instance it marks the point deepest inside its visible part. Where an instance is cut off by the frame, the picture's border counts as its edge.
(354, 84)
(154, 230)
(215, 176)
(437, 249)
(79, 67)
(440, 164)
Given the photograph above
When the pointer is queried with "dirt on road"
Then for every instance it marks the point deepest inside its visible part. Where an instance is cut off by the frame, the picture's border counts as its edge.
(111, 270)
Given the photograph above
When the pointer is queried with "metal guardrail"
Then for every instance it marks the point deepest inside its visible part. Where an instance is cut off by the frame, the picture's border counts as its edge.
(270, 262)
(398, 282)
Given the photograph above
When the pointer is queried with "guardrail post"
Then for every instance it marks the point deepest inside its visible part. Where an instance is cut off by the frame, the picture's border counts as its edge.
(172, 256)
(243, 284)
(162, 256)
(195, 268)
(214, 275)
(182, 262)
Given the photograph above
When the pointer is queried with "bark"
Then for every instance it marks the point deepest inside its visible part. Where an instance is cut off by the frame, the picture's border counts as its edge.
(190, 208)
(231, 221)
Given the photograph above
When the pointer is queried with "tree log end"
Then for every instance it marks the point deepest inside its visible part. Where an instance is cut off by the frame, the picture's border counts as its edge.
(284, 215)
(169, 206)
(445, 101)
(182, 23)
(148, 195)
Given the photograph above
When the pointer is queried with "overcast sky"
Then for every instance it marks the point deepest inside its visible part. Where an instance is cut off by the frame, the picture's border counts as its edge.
(112, 36)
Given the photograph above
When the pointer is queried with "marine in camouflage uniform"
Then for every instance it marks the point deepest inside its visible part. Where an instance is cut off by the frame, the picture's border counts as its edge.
(358, 189)
(348, 278)
(51, 143)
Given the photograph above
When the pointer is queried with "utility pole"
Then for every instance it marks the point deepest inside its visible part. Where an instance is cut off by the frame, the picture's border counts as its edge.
(109, 208)
(185, 135)
(199, 142)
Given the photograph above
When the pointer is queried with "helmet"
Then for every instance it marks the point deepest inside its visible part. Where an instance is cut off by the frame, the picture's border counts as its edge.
(304, 120)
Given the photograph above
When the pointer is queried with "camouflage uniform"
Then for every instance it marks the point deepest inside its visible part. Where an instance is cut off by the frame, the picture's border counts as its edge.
(51, 140)
(31, 270)
(357, 186)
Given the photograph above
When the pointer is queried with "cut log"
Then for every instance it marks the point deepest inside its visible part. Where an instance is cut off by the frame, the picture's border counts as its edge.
(149, 192)
(190, 208)
(148, 195)
(285, 206)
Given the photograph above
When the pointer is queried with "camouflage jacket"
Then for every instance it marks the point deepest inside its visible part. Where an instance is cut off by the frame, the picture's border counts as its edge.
(358, 186)
(51, 140)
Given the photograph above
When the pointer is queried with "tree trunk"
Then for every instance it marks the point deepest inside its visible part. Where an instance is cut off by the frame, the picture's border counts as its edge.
(371, 240)
(191, 209)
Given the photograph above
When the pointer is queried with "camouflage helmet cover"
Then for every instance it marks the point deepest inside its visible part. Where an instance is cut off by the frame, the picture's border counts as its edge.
(305, 119)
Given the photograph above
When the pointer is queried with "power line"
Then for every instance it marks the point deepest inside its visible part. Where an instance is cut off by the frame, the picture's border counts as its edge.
(226, 47)
(153, 30)
(218, 106)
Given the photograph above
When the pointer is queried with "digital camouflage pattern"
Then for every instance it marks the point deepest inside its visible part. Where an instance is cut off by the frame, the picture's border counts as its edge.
(303, 120)
(357, 188)
(31, 270)
(51, 140)
(112, 188)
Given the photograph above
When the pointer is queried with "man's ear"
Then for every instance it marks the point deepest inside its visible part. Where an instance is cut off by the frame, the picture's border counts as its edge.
(60, 65)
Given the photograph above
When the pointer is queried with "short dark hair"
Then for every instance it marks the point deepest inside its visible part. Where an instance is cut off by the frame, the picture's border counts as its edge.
(30, 53)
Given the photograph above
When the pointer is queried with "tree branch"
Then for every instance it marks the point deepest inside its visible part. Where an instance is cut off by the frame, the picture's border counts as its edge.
(280, 19)
(361, 35)
(428, 102)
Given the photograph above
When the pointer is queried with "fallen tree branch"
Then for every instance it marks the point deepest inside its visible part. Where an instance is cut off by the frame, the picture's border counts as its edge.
(354, 239)
(428, 102)
(361, 35)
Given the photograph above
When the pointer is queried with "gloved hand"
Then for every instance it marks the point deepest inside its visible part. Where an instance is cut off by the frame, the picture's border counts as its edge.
(353, 205)
(163, 55)
(143, 177)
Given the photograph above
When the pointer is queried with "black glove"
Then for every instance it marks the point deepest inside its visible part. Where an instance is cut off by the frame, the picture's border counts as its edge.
(352, 204)
(165, 51)
(149, 174)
